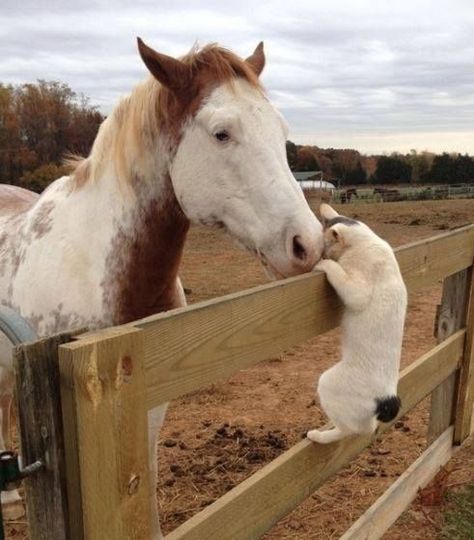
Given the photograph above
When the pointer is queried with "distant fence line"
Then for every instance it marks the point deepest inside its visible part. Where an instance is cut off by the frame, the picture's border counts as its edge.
(403, 193)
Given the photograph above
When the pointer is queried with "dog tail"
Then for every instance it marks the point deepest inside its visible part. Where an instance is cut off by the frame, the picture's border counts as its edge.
(387, 408)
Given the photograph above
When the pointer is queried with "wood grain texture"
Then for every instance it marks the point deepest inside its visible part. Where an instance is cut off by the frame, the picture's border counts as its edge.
(251, 508)
(425, 262)
(196, 346)
(450, 318)
(465, 393)
(41, 435)
(105, 417)
(213, 341)
(386, 510)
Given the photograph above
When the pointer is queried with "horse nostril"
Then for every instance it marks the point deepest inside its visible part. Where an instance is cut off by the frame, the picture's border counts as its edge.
(298, 249)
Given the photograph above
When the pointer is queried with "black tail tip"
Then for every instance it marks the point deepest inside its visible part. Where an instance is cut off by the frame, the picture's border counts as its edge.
(387, 408)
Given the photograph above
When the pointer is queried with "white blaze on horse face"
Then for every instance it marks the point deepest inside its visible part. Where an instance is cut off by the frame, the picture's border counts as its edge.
(231, 170)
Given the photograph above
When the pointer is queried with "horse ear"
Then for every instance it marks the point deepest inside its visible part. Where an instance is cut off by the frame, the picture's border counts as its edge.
(327, 212)
(257, 59)
(170, 72)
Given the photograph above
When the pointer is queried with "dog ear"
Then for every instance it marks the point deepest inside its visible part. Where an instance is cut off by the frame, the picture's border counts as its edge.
(337, 234)
(327, 212)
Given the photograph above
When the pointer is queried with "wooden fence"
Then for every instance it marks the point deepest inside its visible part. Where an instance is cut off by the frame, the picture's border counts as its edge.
(394, 193)
(87, 415)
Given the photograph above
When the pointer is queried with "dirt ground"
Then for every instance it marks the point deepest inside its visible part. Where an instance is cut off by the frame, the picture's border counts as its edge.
(215, 438)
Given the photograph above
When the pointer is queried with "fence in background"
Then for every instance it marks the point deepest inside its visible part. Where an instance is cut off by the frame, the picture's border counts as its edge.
(361, 194)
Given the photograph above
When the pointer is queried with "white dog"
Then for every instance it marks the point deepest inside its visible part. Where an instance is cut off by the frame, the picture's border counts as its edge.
(361, 389)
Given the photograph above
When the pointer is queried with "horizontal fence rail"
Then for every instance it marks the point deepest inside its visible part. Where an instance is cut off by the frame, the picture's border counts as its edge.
(193, 347)
(183, 350)
(293, 476)
(385, 511)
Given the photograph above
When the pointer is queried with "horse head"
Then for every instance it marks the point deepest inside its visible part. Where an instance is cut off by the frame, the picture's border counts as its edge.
(228, 167)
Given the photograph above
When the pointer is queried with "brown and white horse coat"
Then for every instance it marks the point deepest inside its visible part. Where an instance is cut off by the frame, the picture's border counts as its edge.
(198, 141)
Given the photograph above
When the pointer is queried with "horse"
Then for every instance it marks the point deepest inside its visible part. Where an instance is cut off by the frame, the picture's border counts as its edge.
(347, 195)
(198, 141)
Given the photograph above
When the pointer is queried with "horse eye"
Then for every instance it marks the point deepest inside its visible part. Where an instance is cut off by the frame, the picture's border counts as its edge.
(222, 136)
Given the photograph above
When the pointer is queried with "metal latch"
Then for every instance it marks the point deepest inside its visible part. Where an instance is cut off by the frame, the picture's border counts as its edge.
(11, 475)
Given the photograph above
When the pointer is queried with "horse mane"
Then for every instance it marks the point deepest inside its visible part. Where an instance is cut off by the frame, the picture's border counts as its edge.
(223, 65)
(151, 108)
(210, 66)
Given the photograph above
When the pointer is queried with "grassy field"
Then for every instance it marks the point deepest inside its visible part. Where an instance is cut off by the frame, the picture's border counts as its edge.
(458, 519)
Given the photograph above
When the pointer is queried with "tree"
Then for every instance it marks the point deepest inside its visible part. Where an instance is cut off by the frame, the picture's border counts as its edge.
(420, 165)
(325, 165)
(39, 124)
(356, 176)
(11, 154)
(306, 161)
(369, 164)
(291, 154)
(443, 170)
(40, 178)
(347, 167)
(464, 169)
(392, 169)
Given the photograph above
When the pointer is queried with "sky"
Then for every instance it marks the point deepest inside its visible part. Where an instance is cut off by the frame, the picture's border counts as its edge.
(378, 76)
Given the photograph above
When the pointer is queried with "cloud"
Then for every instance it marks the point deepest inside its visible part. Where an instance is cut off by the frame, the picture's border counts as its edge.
(342, 72)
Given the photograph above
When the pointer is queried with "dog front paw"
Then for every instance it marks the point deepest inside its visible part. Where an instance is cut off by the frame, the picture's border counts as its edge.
(314, 435)
(325, 265)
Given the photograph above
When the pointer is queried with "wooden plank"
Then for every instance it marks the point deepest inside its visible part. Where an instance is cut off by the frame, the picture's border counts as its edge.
(386, 510)
(105, 419)
(196, 346)
(425, 262)
(41, 435)
(465, 394)
(276, 489)
(441, 408)
(450, 318)
(215, 340)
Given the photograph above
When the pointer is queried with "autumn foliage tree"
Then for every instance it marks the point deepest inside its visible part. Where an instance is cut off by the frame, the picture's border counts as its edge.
(348, 167)
(42, 122)
(306, 159)
(39, 124)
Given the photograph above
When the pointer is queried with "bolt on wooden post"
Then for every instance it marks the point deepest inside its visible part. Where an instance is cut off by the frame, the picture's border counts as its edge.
(105, 421)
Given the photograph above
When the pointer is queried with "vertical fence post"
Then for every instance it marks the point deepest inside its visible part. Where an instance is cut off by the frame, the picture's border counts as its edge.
(41, 435)
(103, 393)
(451, 317)
(465, 391)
